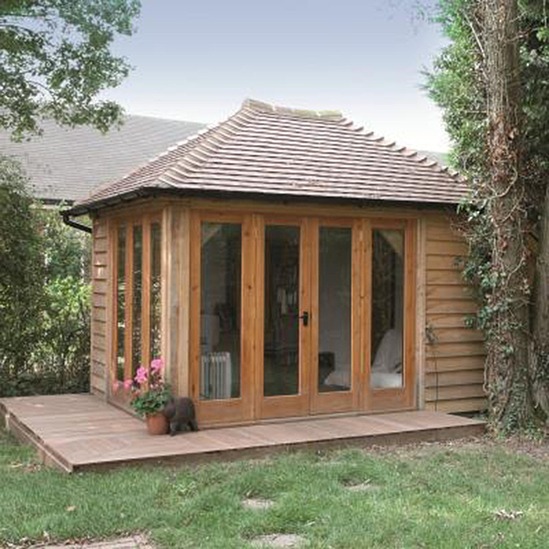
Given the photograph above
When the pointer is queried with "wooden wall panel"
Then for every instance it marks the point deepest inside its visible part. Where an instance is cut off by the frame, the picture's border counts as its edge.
(458, 377)
(453, 364)
(176, 296)
(99, 304)
(454, 353)
(451, 406)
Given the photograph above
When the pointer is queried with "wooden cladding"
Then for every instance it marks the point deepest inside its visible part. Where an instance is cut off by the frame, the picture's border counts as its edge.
(454, 353)
(148, 290)
(99, 307)
(137, 293)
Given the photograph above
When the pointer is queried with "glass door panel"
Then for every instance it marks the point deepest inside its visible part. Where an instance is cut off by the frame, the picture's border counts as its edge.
(387, 309)
(334, 309)
(220, 308)
(282, 311)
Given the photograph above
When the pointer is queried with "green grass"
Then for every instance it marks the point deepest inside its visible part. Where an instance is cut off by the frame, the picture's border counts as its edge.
(425, 496)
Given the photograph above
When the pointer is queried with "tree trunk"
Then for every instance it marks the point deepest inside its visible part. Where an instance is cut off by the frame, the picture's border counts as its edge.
(508, 341)
(540, 346)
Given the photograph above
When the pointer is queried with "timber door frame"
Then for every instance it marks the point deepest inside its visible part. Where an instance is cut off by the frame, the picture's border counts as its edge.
(230, 410)
(284, 405)
(337, 401)
(402, 398)
(252, 405)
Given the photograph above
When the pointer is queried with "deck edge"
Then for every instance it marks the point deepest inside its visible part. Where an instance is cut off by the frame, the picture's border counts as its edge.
(24, 434)
(360, 441)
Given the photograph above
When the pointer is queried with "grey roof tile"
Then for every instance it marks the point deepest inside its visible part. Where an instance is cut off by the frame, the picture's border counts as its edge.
(66, 164)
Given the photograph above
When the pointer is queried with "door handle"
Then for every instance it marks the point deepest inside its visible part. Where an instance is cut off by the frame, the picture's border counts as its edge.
(305, 318)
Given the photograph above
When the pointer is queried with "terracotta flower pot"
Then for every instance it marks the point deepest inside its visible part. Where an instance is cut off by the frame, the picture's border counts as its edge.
(157, 424)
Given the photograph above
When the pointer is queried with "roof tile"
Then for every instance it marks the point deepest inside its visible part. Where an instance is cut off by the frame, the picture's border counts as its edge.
(65, 164)
(268, 150)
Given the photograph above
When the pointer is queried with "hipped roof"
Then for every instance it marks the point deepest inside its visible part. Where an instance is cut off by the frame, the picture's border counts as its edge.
(264, 150)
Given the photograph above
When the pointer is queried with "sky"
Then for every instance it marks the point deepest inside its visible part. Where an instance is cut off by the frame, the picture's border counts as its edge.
(198, 60)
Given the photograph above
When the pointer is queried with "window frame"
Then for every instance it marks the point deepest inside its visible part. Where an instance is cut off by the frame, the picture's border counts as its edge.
(146, 222)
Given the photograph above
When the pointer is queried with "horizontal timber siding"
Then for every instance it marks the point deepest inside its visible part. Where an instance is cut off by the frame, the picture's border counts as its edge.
(99, 301)
(454, 354)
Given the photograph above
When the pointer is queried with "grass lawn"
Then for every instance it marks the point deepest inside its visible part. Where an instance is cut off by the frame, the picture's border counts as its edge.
(468, 494)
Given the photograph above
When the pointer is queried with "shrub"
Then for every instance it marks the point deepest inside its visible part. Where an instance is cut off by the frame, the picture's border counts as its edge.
(44, 295)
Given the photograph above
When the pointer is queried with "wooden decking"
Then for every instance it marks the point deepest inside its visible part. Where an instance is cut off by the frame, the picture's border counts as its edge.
(80, 432)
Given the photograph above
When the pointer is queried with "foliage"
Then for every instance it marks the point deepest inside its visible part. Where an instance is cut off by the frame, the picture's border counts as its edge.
(44, 297)
(150, 393)
(455, 495)
(62, 356)
(21, 276)
(55, 60)
(504, 154)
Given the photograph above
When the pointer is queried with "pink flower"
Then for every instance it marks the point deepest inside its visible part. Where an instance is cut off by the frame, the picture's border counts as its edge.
(128, 384)
(115, 386)
(141, 375)
(157, 364)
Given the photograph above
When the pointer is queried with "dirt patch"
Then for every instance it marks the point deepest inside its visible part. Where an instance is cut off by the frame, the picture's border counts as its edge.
(27, 467)
(362, 487)
(279, 540)
(129, 542)
(536, 449)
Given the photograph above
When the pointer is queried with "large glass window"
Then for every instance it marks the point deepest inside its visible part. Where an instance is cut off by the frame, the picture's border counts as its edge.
(138, 303)
(220, 310)
(387, 308)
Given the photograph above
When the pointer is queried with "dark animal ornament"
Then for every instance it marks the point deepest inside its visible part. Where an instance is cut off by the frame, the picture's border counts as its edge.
(181, 415)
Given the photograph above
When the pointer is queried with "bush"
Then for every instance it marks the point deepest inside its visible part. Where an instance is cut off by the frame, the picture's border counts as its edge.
(44, 295)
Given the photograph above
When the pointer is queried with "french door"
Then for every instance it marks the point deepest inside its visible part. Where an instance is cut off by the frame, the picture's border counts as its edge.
(309, 290)
(299, 315)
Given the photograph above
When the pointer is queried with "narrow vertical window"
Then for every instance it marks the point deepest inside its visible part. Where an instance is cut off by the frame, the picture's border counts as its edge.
(281, 329)
(120, 301)
(155, 298)
(220, 307)
(137, 296)
(334, 294)
(387, 308)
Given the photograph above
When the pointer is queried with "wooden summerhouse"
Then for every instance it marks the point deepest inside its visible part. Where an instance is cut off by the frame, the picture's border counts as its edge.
(284, 264)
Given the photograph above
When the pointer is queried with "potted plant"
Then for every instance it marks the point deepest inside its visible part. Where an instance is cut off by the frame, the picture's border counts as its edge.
(150, 394)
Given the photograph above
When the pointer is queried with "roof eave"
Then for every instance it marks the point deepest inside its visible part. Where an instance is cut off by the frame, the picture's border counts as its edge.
(148, 192)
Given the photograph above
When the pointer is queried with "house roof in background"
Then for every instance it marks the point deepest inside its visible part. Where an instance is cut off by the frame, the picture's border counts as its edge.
(65, 164)
(275, 151)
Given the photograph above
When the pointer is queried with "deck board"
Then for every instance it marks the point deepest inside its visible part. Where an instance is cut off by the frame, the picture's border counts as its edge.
(78, 432)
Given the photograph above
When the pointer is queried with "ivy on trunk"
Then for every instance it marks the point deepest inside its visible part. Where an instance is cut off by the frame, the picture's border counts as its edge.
(487, 81)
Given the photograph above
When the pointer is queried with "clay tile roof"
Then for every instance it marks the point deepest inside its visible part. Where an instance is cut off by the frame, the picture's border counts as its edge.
(276, 151)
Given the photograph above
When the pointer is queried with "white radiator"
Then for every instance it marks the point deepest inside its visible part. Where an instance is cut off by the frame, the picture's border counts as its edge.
(215, 375)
